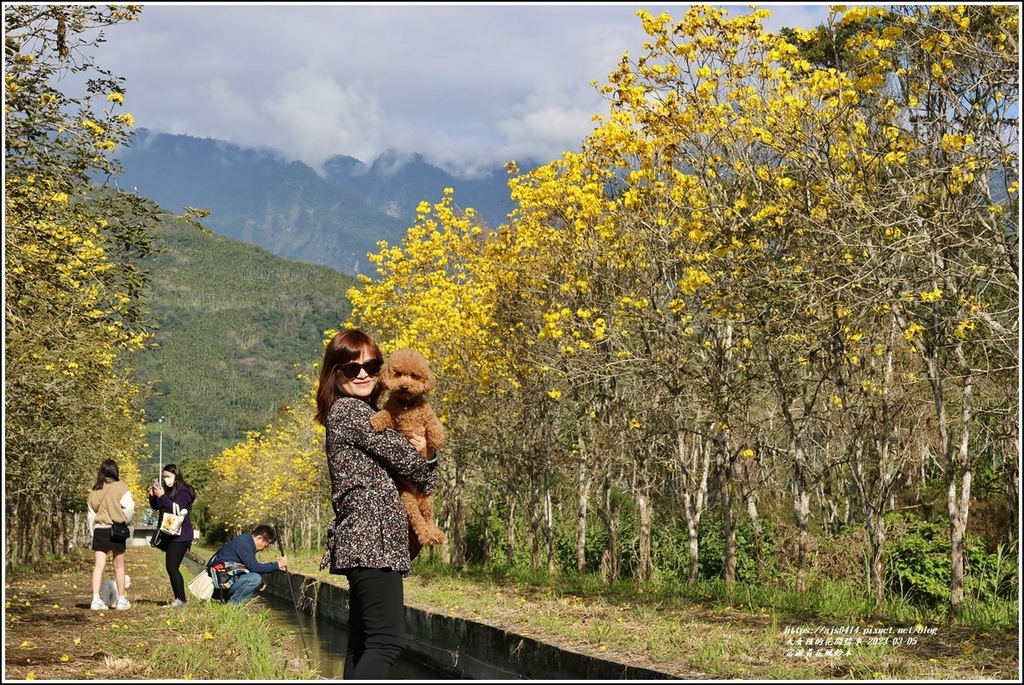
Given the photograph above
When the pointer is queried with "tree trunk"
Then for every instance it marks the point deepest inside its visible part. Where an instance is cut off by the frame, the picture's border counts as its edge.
(758, 530)
(695, 464)
(643, 503)
(535, 527)
(801, 513)
(457, 535)
(487, 549)
(510, 533)
(725, 501)
(549, 516)
(643, 571)
(582, 486)
(958, 533)
(692, 521)
(876, 536)
(610, 557)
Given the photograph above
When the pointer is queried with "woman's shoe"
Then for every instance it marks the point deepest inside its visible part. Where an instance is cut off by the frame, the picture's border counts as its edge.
(176, 604)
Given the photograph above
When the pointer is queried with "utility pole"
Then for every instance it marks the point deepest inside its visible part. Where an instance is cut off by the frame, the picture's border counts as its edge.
(161, 447)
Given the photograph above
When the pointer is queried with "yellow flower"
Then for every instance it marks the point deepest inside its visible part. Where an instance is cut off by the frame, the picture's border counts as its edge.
(64, 657)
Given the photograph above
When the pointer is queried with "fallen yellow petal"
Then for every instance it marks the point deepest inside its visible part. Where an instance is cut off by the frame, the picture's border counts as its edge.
(64, 657)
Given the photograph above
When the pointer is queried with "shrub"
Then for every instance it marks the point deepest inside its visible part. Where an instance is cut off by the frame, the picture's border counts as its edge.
(919, 568)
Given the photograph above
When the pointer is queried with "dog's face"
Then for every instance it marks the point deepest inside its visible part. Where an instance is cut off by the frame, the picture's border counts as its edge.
(407, 374)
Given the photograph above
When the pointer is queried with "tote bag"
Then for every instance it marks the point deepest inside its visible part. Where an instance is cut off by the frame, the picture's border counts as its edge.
(202, 585)
(171, 522)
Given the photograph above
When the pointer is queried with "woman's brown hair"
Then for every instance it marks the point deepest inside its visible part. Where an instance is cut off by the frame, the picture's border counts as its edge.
(344, 347)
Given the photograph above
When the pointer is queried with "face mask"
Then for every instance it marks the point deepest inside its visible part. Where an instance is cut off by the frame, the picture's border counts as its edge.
(169, 481)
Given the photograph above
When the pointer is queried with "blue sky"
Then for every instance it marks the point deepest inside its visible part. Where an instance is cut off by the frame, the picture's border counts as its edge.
(467, 85)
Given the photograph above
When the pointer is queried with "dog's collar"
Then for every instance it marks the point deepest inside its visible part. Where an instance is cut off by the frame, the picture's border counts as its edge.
(408, 404)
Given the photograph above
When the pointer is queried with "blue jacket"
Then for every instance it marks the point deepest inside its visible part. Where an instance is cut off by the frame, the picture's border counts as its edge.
(242, 550)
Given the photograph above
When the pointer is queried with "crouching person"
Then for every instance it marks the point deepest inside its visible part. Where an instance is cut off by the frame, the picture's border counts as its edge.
(236, 571)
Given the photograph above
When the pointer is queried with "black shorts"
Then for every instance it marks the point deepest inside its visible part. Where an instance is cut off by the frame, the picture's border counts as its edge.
(101, 541)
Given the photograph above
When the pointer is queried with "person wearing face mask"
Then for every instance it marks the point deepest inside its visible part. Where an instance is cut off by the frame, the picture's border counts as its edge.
(162, 497)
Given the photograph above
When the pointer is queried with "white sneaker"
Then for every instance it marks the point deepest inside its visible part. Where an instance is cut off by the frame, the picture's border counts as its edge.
(176, 604)
(122, 604)
(99, 605)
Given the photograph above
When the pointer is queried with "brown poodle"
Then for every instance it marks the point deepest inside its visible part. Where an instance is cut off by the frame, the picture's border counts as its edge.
(407, 378)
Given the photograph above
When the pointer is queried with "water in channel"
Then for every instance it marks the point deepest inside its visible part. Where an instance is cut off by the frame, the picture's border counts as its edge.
(326, 642)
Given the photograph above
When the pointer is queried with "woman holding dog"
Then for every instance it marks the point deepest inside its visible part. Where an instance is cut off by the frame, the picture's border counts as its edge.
(109, 501)
(162, 497)
(368, 541)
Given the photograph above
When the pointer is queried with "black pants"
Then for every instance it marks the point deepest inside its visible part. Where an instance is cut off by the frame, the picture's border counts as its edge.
(175, 555)
(376, 623)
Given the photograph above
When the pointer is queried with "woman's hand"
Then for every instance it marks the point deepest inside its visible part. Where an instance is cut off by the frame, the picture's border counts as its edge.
(419, 443)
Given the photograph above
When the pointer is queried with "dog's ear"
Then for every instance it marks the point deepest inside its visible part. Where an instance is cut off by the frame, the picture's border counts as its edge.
(386, 374)
(428, 380)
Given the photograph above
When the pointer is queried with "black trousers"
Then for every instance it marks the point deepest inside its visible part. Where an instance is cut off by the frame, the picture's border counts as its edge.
(175, 555)
(376, 623)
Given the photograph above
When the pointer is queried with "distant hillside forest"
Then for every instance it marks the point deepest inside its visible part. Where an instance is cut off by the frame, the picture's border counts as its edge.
(236, 326)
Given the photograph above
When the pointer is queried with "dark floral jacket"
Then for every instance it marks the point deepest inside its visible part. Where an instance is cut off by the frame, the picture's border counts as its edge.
(370, 527)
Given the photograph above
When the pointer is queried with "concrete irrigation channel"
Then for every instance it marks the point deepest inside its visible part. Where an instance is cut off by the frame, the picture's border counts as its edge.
(438, 647)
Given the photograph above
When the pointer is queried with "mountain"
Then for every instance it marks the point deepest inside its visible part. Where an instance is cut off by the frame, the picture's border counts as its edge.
(259, 197)
(236, 326)
(395, 184)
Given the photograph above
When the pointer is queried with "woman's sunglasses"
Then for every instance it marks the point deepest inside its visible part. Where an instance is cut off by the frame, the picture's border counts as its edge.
(352, 369)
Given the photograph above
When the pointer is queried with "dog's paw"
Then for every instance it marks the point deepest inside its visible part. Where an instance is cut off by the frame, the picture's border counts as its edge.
(380, 421)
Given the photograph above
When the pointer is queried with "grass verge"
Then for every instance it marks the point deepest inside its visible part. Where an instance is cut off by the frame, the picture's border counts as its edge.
(51, 633)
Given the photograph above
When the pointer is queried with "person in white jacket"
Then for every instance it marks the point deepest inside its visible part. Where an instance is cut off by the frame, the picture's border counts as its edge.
(110, 501)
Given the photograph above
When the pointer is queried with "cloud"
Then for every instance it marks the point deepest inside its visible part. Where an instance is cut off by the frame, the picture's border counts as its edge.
(468, 86)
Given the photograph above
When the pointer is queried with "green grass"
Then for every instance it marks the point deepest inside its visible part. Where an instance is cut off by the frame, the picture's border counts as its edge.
(709, 629)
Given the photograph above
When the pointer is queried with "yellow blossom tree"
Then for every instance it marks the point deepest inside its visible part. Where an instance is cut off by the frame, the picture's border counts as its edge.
(73, 296)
